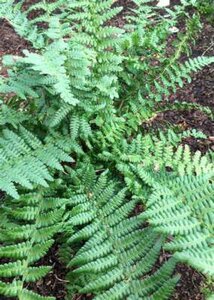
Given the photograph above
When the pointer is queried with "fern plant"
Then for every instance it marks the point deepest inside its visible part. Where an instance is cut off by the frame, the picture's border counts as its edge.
(76, 161)
(70, 75)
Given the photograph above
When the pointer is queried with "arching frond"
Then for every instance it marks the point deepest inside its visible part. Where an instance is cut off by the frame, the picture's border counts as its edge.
(118, 252)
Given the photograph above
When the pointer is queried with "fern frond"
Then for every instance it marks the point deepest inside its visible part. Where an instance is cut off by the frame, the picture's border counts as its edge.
(11, 116)
(52, 63)
(48, 10)
(174, 75)
(28, 226)
(183, 207)
(117, 251)
(25, 160)
(11, 11)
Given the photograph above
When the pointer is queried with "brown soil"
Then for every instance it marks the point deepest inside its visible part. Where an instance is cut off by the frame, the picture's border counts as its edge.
(190, 284)
(10, 42)
(54, 283)
(199, 91)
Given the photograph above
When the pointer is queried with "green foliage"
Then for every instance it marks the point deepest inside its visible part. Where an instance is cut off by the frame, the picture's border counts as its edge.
(27, 227)
(11, 116)
(183, 208)
(180, 204)
(24, 160)
(76, 129)
(117, 251)
(206, 8)
(11, 12)
(174, 75)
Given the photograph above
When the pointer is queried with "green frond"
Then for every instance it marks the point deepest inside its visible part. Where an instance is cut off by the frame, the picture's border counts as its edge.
(175, 75)
(28, 295)
(52, 63)
(25, 160)
(79, 127)
(117, 252)
(182, 207)
(10, 289)
(27, 240)
(150, 154)
(11, 11)
(61, 114)
(10, 116)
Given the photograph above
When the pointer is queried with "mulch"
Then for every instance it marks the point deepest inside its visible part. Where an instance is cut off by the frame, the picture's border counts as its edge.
(199, 91)
(54, 283)
(190, 284)
(10, 42)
